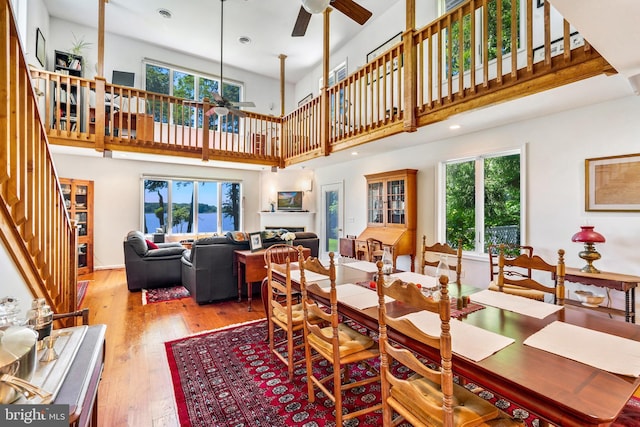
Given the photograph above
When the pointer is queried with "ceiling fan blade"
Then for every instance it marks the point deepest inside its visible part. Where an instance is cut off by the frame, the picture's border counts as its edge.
(353, 10)
(237, 112)
(217, 97)
(210, 112)
(302, 22)
(243, 104)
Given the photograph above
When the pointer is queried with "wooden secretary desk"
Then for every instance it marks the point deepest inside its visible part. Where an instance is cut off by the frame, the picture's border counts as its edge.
(391, 214)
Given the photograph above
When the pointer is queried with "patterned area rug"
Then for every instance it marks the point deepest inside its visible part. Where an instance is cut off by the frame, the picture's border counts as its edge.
(82, 291)
(150, 296)
(228, 378)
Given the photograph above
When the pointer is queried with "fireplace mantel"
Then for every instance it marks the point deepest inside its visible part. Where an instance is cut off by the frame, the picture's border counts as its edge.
(277, 219)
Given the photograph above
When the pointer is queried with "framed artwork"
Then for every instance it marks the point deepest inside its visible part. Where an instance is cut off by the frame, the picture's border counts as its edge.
(613, 183)
(384, 47)
(255, 241)
(41, 52)
(305, 100)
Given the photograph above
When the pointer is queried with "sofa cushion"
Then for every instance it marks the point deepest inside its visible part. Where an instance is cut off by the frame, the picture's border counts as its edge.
(150, 244)
(305, 235)
(237, 236)
(137, 242)
(213, 240)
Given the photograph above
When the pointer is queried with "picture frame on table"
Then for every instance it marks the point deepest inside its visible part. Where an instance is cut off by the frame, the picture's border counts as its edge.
(612, 184)
(255, 241)
(41, 52)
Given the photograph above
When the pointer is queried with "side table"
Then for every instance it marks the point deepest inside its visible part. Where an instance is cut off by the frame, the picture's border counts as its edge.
(619, 282)
(251, 269)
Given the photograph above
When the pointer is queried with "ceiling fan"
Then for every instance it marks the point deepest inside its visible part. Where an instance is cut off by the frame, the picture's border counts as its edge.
(350, 8)
(223, 106)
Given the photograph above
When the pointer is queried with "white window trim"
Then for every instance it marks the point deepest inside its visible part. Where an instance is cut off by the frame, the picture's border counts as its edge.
(441, 214)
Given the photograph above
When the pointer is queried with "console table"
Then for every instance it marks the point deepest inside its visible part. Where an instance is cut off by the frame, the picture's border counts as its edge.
(619, 282)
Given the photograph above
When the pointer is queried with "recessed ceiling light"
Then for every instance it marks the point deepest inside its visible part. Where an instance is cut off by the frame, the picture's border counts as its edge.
(354, 153)
(454, 127)
(244, 40)
(165, 13)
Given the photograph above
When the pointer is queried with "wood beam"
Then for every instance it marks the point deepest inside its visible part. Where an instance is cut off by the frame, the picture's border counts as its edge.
(100, 69)
(282, 83)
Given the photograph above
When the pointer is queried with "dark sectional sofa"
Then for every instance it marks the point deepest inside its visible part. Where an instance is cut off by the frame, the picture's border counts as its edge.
(208, 269)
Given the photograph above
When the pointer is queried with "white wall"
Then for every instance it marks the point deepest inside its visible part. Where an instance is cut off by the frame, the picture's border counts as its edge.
(118, 192)
(125, 54)
(557, 146)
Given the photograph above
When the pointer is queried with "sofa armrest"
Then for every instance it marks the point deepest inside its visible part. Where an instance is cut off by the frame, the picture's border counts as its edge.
(164, 252)
(169, 245)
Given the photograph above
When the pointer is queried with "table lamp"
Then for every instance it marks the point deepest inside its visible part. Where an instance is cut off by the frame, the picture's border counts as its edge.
(587, 236)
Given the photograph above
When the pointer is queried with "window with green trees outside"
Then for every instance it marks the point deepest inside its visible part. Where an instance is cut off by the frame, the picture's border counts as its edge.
(483, 201)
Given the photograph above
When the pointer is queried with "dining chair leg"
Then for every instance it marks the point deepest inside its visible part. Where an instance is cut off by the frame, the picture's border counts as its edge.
(337, 394)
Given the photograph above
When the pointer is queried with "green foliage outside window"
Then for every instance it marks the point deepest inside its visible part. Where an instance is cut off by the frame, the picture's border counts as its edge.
(492, 36)
(500, 191)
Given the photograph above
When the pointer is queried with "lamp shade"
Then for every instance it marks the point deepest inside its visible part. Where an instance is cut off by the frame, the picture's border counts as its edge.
(587, 235)
(315, 6)
(221, 111)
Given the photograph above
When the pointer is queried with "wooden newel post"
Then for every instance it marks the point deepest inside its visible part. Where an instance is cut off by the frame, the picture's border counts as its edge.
(206, 106)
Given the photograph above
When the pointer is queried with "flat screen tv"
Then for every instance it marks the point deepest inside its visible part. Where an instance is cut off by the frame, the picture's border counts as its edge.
(290, 201)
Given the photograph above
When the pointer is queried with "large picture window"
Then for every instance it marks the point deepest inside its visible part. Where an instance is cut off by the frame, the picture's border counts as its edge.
(186, 84)
(483, 200)
(179, 206)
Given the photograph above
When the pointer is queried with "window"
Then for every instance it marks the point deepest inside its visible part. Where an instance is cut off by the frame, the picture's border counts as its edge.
(218, 206)
(188, 85)
(482, 200)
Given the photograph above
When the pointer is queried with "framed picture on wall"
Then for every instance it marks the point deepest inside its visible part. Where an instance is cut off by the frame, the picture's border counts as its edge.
(613, 183)
(41, 52)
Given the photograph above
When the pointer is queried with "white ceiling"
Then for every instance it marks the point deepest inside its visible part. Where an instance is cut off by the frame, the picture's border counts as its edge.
(269, 23)
(195, 29)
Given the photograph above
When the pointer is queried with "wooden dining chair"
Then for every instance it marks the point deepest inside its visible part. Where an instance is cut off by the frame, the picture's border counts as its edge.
(512, 283)
(414, 391)
(283, 313)
(510, 252)
(374, 249)
(337, 343)
(431, 256)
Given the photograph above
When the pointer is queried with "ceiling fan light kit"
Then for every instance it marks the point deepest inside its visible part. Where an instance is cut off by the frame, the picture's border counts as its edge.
(221, 110)
(315, 6)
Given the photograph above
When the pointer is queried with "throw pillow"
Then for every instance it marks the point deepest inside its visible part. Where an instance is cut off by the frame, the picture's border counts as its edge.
(151, 245)
(237, 236)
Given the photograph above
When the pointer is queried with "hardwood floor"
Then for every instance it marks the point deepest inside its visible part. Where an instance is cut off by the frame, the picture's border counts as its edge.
(136, 387)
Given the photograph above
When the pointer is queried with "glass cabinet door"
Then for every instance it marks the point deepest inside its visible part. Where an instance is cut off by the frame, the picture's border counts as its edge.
(395, 201)
(375, 201)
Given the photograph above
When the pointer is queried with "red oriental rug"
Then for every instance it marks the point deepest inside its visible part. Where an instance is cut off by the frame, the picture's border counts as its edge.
(150, 296)
(228, 377)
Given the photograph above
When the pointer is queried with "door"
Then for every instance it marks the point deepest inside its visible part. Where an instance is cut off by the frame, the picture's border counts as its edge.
(332, 222)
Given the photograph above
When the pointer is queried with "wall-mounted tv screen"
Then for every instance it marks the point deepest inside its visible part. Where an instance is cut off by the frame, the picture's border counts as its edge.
(289, 200)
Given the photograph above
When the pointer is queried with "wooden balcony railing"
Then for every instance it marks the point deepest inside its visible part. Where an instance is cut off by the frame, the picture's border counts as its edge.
(34, 225)
(473, 56)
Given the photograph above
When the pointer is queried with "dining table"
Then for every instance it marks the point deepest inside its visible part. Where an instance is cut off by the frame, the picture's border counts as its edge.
(558, 389)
